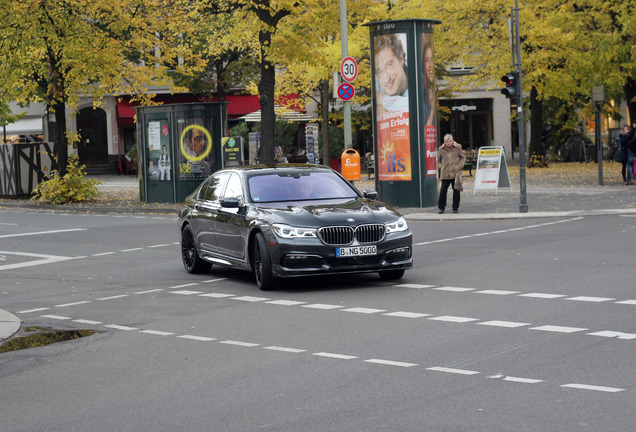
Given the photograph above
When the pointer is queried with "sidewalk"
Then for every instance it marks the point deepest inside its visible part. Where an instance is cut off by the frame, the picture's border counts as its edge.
(547, 195)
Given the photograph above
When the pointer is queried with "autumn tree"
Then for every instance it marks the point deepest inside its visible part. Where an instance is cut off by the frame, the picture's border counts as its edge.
(55, 50)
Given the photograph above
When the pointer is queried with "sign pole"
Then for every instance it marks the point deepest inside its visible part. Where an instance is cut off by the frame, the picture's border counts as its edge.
(348, 140)
(523, 205)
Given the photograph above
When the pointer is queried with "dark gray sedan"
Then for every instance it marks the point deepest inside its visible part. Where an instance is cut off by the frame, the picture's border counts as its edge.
(291, 220)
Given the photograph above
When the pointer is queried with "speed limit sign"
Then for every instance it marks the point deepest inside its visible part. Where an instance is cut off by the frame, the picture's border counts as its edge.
(349, 69)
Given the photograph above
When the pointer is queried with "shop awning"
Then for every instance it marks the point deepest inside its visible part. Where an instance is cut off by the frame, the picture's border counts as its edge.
(25, 126)
(281, 114)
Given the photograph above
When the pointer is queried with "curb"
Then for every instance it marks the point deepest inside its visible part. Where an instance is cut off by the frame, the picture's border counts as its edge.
(9, 324)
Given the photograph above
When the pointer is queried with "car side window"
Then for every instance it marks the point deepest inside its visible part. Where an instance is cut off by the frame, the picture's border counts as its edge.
(212, 190)
(234, 188)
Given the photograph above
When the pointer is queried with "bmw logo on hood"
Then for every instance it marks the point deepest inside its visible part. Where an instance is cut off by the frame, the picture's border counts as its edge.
(351, 220)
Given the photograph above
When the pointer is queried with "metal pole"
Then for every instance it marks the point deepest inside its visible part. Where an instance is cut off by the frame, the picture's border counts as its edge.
(599, 144)
(345, 52)
(523, 205)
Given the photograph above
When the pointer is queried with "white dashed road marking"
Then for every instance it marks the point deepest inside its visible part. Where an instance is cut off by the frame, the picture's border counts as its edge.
(594, 388)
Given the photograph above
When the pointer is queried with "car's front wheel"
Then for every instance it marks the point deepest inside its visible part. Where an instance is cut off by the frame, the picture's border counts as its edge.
(191, 260)
(262, 264)
(391, 274)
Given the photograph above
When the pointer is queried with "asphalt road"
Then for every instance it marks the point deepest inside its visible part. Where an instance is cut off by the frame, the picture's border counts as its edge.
(513, 325)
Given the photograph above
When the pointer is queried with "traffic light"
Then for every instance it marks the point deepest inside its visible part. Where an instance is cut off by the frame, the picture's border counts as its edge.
(511, 85)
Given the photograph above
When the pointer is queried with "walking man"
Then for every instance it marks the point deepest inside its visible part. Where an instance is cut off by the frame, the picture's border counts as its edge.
(450, 161)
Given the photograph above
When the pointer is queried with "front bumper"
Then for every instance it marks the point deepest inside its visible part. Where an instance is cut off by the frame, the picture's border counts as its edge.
(306, 257)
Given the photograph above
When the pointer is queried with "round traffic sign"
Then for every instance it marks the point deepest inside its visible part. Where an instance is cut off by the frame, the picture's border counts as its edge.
(349, 69)
(346, 91)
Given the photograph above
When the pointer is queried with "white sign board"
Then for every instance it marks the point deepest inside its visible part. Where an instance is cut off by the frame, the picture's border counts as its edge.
(349, 69)
(492, 170)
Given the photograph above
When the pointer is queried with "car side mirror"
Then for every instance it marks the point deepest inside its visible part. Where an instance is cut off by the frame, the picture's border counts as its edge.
(371, 194)
(232, 202)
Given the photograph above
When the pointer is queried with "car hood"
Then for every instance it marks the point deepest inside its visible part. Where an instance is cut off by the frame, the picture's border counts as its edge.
(350, 212)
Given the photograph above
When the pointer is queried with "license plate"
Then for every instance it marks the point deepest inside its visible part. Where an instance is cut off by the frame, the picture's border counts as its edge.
(356, 251)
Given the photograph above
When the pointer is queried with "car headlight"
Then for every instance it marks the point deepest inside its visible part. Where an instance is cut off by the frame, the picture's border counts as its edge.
(397, 226)
(286, 231)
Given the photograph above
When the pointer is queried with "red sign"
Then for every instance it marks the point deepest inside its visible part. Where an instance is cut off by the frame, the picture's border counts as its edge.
(431, 150)
(349, 69)
(346, 91)
(164, 130)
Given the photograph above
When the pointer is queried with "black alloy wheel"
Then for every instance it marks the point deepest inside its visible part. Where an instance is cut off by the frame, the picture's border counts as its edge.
(191, 260)
(262, 264)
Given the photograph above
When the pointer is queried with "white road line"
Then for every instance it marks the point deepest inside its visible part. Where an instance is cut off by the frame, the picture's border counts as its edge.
(250, 299)
(103, 254)
(120, 327)
(44, 259)
(627, 302)
(454, 289)
(363, 310)
(33, 310)
(42, 232)
(113, 297)
(149, 291)
(286, 302)
(454, 319)
(593, 387)
(522, 380)
(184, 285)
(590, 299)
(496, 292)
(72, 304)
(197, 338)
(415, 286)
(156, 332)
(614, 334)
(508, 324)
(453, 371)
(406, 314)
(56, 317)
(496, 232)
(213, 280)
(335, 356)
(186, 292)
(131, 250)
(239, 343)
(391, 363)
(216, 295)
(542, 295)
(157, 246)
(322, 306)
(558, 329)
(284, 349)
(84, 321)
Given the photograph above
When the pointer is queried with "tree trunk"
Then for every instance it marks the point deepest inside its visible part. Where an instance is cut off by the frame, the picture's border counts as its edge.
(266, 88)
(629, 90)
(536, 124)
(61, 142)
(324, 104)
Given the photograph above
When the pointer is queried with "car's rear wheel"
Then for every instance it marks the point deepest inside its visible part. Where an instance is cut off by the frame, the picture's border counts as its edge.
(191, 260)
(263, 264)
(391, 274)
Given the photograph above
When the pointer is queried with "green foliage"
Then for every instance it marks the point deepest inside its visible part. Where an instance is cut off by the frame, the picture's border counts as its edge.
(70, 187)
(537, 161)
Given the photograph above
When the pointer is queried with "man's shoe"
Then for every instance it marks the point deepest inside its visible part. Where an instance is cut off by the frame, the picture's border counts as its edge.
(455, 211)
(440, 211)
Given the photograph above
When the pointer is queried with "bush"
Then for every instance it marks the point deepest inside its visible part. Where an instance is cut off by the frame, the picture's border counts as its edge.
(71, 187)
(537, 161)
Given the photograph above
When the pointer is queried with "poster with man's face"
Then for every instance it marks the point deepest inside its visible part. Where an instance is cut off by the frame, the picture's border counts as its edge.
(392, 107)
(196, 154)
(429, 104)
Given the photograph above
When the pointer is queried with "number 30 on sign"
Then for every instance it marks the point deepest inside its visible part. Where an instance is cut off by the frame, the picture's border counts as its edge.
(349, 69)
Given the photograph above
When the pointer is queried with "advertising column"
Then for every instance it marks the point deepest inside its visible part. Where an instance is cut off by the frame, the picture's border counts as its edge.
(404, 118)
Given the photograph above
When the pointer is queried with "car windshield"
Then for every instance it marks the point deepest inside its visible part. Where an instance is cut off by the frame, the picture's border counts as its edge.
(294, 186)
